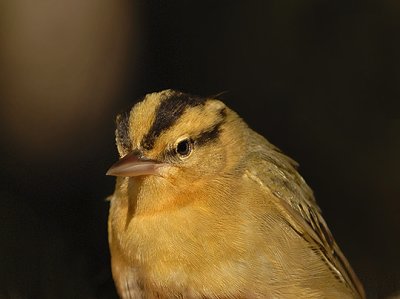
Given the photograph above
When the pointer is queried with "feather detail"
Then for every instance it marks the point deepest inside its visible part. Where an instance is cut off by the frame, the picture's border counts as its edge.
(277, 172)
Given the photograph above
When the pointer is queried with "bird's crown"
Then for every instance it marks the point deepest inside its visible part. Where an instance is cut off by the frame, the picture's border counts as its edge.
(167, 114)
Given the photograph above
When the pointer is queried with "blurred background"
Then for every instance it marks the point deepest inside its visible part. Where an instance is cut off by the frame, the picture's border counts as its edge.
(320, 79)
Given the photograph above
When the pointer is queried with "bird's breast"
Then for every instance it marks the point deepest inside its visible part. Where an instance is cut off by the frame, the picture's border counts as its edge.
(181, 249)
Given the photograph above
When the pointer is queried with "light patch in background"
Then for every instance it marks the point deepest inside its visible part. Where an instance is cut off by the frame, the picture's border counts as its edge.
(63, 64)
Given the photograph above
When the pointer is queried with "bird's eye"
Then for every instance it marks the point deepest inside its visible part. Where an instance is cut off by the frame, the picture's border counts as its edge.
(184, 148)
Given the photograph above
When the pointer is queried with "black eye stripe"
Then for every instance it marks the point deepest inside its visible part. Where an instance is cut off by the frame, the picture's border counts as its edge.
(209, 135)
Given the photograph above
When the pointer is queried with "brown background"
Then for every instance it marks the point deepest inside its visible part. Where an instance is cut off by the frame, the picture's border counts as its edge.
(320, 79)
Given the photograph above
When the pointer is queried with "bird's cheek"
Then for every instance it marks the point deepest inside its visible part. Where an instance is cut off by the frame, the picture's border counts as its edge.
(167, 170)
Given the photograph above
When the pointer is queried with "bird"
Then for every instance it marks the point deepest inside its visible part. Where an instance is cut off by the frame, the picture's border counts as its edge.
(205, 207)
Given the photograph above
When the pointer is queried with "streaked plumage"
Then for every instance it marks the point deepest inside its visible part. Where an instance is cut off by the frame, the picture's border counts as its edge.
(204, 207)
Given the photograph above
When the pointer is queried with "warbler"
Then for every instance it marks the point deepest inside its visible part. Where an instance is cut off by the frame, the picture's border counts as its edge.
(204, 207)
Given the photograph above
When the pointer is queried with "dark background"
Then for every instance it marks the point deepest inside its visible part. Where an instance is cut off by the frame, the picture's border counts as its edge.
(320, 79)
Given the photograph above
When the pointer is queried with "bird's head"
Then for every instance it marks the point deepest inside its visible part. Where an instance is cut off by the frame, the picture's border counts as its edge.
(178, 139)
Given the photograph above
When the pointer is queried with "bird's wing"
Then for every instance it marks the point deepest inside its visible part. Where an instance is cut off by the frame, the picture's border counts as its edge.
(278, 173)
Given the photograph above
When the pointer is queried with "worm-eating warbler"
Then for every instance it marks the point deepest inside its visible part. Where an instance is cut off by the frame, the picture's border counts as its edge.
(204, 207)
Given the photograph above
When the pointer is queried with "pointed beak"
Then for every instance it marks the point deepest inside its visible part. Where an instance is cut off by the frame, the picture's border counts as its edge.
(132, 165)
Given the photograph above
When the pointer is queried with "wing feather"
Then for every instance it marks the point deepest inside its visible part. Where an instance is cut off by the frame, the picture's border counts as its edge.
(278, 173)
